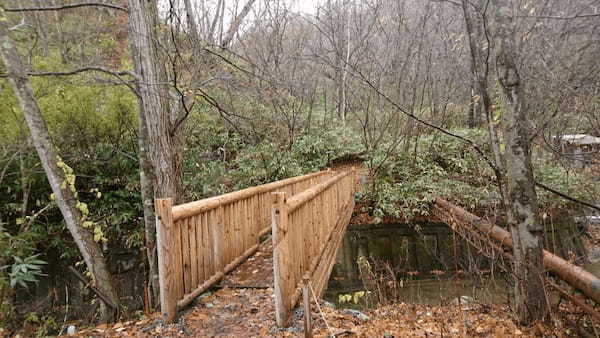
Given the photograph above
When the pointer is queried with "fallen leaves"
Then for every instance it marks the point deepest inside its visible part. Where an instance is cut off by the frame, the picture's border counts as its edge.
(249, 312)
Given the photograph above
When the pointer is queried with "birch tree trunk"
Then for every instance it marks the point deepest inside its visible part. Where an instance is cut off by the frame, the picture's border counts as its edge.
(237, 22)
(60, 176)
(527, 234)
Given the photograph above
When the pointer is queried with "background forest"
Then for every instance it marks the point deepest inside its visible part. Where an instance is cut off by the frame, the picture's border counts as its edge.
(257, 92)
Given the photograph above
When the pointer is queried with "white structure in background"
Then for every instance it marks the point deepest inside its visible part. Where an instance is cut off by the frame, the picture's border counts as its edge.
(580, 149)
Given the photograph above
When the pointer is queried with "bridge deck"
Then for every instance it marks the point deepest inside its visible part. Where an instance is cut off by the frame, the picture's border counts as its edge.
(256, 272)
(243, 306)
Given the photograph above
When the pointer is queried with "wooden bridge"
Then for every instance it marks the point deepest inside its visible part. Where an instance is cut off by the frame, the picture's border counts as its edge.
(200, 242)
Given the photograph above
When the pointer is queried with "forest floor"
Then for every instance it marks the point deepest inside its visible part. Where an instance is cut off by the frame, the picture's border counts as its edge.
(243, 306)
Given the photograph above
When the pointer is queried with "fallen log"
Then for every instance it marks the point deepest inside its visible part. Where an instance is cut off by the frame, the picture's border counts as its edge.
(575, 275)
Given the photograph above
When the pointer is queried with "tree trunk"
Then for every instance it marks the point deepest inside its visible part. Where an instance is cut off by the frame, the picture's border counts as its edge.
(60, 176)
(160, 142)
(191, 21)
(147, 183)
(237, 22)
(480, 71)
(164, 140)
(210, 36)
(530, 301)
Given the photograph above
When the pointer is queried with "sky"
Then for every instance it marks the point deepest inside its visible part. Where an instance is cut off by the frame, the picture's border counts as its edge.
(304, 6)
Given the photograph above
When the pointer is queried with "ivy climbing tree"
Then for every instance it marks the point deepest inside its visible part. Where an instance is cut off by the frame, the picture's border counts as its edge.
(60, 176)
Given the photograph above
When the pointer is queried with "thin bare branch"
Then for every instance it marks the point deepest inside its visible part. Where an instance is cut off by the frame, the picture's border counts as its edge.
(66, 6)
(80, 70)
(578, 16)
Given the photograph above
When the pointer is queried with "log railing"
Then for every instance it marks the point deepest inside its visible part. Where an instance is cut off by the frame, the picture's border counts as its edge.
(574, 275)
(307, 229)
(199, 242)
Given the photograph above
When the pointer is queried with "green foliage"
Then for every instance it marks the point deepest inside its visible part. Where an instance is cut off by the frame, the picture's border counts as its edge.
(220, 160)
(25, 270)
(448, 168)
(572, 183)
(45, 324)
(351, 297)
(439, 166)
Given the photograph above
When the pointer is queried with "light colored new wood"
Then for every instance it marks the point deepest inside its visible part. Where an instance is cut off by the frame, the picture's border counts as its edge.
(178, 263)
(193, 208)
(307, 315)
(164, 227)
(307, 231)
(185, 250)
(193, 252)
(279, 217)
(307, 195)
(187, 299)
(218, 239)
(205, 239)
(199, 249)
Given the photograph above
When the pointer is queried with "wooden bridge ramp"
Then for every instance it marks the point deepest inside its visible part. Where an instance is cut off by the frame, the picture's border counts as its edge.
(199, 242)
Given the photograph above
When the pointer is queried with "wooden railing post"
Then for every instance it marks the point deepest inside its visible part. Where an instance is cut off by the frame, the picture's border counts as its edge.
(166, 257)
(306, 297)
(218, 238)
(279, 217)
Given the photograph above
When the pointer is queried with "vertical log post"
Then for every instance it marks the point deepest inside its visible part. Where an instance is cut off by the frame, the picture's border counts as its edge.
(307, 315)
(279, 217)
(355, 182)
(218, 238)
(166, 254)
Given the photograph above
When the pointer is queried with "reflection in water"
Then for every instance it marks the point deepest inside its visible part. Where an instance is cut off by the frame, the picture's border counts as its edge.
(423, 266)
(594, 268)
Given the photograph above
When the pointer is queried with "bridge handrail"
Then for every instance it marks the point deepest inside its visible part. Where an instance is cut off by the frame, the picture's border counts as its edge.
(194, 208)
(300, 199)
(307, 230)
(199, 242)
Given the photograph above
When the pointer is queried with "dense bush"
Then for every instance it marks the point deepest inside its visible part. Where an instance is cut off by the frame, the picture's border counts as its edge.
(449, 168)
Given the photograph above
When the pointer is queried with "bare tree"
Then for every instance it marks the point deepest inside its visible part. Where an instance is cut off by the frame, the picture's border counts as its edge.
(527, 233)
(59, 174)
(236, 24)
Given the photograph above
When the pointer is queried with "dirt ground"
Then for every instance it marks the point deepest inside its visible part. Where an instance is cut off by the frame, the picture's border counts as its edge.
(243, 306)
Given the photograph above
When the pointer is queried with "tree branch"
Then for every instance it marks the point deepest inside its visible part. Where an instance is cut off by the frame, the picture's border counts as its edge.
(116, 74)
(578, 16)
(67, 6)
(99, 293)
(473, 144)
(78, 71)
(567, 197)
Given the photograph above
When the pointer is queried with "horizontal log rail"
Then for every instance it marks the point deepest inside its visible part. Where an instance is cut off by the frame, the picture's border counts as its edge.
(196, 207)
(574, 275)
(307, 229)
(199, 242)
(307, 195)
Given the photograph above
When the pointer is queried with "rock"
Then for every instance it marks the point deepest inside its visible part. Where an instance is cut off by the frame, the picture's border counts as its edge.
(357, 314)
(388, 335)
(328, 304)
(462, 300)
(293, 329)
(71, 330)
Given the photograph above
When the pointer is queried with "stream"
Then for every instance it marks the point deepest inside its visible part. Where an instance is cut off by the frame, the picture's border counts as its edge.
(425, 264)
